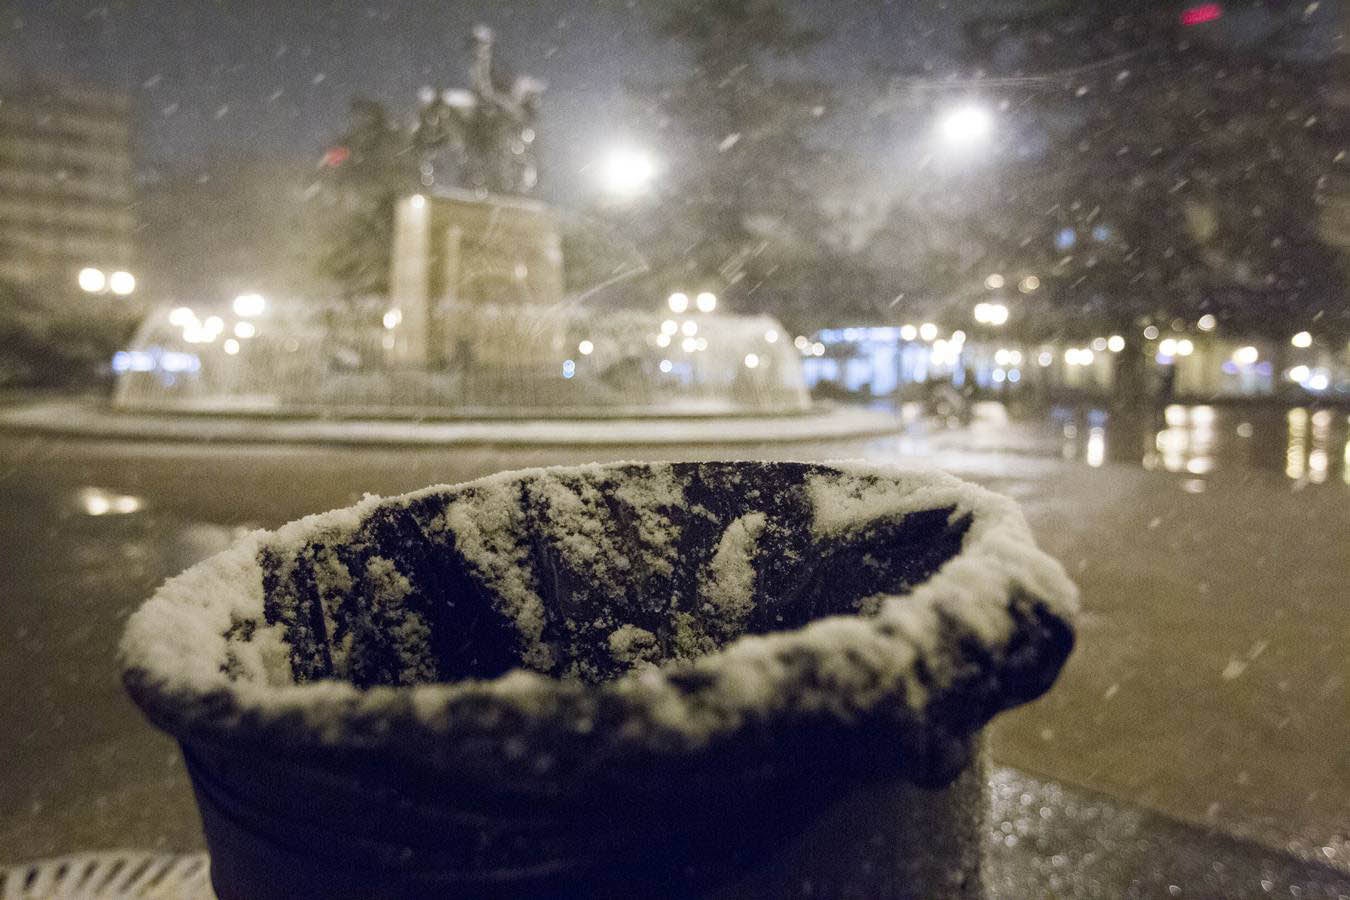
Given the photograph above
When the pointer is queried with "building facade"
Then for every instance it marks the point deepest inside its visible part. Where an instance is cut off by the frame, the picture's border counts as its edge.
(66, 189)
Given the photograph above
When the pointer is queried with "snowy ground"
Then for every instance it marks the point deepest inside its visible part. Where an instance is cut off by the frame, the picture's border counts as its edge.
(1210, 683)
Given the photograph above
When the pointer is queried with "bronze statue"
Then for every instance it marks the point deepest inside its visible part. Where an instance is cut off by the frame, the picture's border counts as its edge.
(483, 137)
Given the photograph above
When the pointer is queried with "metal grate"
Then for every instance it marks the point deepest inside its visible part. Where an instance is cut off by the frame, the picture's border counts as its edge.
(110, 876)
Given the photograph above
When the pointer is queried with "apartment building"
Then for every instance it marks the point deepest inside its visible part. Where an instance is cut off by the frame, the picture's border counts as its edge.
(66, 197)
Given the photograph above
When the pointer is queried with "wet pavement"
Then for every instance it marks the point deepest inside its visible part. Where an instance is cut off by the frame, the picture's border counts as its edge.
(1048, 840)
(1209, 685)
(1042, 839)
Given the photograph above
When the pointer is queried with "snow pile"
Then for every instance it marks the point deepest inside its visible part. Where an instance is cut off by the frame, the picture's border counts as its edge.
(534, 623)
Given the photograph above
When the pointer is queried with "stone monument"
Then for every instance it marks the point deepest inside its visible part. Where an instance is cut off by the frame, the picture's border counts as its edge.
(471, 238)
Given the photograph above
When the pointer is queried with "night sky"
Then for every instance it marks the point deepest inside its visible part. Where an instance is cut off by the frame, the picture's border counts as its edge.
(223, 80)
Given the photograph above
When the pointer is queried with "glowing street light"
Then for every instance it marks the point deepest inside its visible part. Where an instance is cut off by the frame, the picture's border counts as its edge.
(1246, 356)
(678, 302)
(245, 330)
(1207, 323)
(182, 317)
(249, 305)
(966, 125)
(1115, 343)
(586, 348)
(1029, 284)
(706, 301)
(752, 360)
(391, 320)
(121, 283)
(1302, 340)
(928, 331)
(994, 282)
(626, 172)
(92, 281)
(991, 313)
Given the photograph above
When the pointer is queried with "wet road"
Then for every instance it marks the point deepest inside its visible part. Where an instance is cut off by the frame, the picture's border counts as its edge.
(1210, 682)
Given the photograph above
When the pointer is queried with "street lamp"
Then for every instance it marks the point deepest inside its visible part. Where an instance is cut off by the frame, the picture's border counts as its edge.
(706, 302)
(626, 172)
(249, 305)
(121, 283)
(92, 281)
(966, 125)
(678, 302)
(991, 313)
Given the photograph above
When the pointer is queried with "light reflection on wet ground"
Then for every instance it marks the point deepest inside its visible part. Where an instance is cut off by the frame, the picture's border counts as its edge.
(1309, 446)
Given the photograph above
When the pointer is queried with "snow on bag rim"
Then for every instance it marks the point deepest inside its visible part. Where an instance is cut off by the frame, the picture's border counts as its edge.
(217, 652)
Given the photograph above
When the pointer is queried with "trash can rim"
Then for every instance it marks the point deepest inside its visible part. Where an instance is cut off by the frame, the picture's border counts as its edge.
(1001, 604)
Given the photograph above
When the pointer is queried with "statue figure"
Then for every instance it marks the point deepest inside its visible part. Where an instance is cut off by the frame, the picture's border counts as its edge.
(482, 137)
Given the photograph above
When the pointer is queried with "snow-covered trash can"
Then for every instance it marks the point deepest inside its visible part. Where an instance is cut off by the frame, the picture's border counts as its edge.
(633, 680)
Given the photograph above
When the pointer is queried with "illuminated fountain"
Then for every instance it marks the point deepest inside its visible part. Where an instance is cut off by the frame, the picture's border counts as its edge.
(475, 325)
(538, 361)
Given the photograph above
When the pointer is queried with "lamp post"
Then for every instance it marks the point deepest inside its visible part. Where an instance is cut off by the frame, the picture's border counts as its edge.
(626, 173)
(95, 281)
(965, 126)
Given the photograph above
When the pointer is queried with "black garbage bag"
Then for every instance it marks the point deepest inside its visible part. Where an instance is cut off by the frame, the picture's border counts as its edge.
(687, 679)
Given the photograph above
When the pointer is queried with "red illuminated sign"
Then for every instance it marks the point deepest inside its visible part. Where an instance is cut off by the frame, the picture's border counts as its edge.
(1199, 15)
(335, 157)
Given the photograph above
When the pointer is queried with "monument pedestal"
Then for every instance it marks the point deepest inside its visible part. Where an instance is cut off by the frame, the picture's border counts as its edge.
(455, 249)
